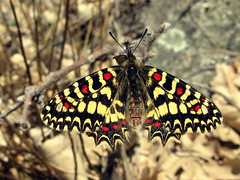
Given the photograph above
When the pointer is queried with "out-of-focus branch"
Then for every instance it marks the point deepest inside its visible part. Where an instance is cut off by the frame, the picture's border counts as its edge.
(64, 33)
(21, 43)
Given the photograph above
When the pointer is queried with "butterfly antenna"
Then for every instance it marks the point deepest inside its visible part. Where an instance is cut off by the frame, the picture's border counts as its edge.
(140, 40)
(110, 33)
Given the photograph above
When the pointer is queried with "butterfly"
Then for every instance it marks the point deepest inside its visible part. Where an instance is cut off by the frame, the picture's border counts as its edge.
(112, 103)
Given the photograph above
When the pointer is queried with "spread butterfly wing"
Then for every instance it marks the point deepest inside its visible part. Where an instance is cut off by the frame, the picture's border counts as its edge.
(178, 106)
(87, 105)
(115, 128)
(83, 104)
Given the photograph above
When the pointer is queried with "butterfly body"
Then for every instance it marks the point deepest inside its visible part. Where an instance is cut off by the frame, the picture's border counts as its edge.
(113, 102)
(134, 89)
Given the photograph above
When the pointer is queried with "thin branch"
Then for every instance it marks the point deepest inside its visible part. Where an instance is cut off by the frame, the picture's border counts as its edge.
(21, 43)
(84, 152)
(54, 35)
(36, 38)
(74, 157)
(64, 34)
(87, 158)
(126, 166)
(10, 110)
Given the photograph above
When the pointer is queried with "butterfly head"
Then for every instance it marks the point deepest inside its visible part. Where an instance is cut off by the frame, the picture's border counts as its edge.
(128, 58)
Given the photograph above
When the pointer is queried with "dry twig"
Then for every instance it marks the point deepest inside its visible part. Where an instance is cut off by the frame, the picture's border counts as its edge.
(21, 44)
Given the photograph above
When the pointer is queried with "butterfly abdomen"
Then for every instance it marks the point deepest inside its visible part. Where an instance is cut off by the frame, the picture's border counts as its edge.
(135, 100)
(135, 107)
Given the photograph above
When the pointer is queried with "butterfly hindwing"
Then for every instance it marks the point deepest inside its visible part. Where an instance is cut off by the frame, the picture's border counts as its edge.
(115, 128)
(178, 107)
(155, 127)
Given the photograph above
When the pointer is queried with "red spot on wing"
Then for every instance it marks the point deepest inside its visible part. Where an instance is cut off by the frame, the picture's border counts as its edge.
(84, 89)
(203, 99)
(61, 96)
(157, 76)
(66, 105)
(148, 121)
(107, 76)
(123, 123)
(158, 124)
(105, 128)
(196, 108)
(179, 91)
(115, 126)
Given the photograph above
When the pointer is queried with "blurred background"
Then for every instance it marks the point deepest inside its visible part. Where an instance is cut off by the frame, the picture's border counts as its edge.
(39, 37)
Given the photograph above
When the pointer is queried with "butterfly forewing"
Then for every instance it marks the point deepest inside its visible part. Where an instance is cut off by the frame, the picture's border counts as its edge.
(179, 107)
(84, 104)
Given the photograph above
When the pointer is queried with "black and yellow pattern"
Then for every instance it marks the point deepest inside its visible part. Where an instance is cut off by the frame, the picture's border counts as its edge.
(109, 104)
